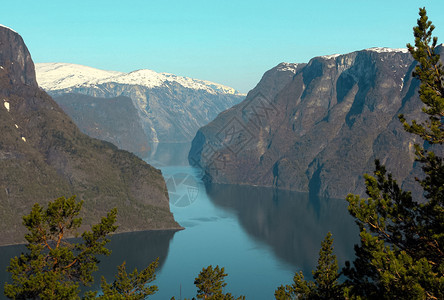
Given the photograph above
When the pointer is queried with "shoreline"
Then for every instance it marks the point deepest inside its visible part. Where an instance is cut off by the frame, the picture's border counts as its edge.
(110, 236)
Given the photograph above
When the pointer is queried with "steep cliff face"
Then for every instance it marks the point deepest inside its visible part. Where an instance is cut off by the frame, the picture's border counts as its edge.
(171, 108)
(16, 58)
(207, 146)
(114, 120)
(43, 155)
(321, 131)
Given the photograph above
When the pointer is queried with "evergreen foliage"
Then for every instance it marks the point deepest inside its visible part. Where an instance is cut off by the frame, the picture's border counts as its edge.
(401, 253)
(325, 285)
(431, 74)
(54, 267)
(210, 284)
(131, 286)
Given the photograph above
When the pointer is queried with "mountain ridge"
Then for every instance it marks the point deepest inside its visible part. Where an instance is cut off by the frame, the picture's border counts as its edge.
(169, 107)
(144, 77)
(319, 130)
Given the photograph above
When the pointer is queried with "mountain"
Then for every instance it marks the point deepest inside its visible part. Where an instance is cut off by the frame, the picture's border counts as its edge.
(317, 127)
(43, 155)
(114, 120)
(171, 108)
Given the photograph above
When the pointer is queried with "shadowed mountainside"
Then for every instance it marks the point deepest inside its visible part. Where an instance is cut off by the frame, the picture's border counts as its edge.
(114, 120)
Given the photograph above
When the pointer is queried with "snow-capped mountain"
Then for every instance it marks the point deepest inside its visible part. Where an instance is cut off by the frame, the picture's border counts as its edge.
(171, 108)
(63, 76)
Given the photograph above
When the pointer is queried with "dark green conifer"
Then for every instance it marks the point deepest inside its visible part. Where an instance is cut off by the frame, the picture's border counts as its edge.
(325, 285)
(53, 267)
(133, 286)
(401, 255)
(210, 284)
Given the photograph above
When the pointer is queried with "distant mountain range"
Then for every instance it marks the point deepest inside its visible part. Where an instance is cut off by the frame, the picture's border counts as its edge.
(317, 127)
(169, 108)
(43, 155)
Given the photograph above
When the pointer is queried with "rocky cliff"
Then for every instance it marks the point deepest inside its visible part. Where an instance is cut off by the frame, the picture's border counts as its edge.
(43, 155)
(319, 128)
(171, 108)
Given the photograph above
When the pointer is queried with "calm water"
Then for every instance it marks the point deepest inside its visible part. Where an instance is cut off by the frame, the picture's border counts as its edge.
(260, 236)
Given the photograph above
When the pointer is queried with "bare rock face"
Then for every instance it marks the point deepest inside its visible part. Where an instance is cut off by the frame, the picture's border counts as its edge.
(16, 58)
(43, 155)
(319, 130)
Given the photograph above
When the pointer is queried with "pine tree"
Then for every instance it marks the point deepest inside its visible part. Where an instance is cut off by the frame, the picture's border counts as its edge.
(325, 285)
(401, 254)
(210, 284)
(54, 267)
(133, 286)
(431, 73)
(326, 274)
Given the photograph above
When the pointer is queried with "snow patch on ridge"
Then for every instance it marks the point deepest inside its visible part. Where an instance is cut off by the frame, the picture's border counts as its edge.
(287, 67)
(146, 78)
(387, 50)
(374, 49)
(1, 25)
(331, 56)
(6, 104)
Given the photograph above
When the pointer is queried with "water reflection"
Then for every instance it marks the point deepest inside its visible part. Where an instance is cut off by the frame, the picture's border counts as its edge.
(291, 223)
(138, 249)
(6, 253)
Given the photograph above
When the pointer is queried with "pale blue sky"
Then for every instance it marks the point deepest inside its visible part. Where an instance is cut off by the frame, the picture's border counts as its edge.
(229, 42)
